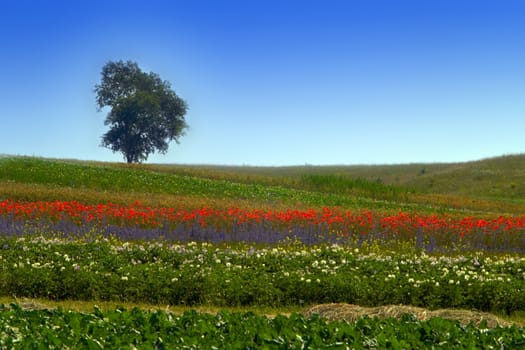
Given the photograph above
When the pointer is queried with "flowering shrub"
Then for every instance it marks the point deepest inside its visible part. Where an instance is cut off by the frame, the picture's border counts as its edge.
(242, 274)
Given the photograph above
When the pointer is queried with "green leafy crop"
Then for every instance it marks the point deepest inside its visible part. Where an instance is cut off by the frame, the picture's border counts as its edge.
(137, 329)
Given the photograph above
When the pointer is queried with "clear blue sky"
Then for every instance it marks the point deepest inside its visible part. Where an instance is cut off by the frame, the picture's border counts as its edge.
(274, 82)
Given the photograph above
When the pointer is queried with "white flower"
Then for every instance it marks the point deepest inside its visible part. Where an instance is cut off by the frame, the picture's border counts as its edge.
(124, 278)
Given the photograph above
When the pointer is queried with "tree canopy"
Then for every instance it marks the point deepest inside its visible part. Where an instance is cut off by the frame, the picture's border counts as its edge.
(146, 114)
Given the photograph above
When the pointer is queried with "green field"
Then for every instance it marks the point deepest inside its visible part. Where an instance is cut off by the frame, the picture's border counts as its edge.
(491, 186)
(286, 278)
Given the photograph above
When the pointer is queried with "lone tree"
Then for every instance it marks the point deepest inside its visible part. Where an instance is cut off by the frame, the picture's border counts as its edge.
(146, 114)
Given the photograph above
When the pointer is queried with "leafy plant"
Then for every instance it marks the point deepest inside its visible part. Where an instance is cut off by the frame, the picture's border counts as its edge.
(121, 328)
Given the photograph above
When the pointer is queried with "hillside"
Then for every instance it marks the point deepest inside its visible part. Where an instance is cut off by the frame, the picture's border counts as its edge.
(493, 186)
(499, 177)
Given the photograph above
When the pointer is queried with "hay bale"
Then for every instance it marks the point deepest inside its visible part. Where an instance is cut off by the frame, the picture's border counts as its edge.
(467, 316)
(351, 313)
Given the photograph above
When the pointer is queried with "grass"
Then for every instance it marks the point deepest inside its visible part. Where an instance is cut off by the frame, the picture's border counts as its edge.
(88, 306)
(134, 180)
(432, 188)
(493, 177)
(139, 181)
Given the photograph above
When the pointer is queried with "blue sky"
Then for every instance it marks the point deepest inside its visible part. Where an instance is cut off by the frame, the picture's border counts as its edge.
(274, 82)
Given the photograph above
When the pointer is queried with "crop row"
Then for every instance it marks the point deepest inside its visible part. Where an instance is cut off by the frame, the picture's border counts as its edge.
(428, 232)
(123, 329)
(241, 274)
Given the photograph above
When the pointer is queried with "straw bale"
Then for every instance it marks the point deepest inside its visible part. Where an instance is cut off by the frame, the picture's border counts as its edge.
(351, 313)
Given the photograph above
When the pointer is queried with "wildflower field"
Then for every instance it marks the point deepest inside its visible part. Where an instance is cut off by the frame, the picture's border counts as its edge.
(247, 240)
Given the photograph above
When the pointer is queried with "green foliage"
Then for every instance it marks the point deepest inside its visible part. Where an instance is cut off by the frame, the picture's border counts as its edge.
(145, 113)
(242, 275)
(137, 180)
(47, 179)
(490, 185)
(333, 183)
(93, 182)
(131, 329)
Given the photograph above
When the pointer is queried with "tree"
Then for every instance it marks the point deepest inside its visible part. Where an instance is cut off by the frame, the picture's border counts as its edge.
(146, 114)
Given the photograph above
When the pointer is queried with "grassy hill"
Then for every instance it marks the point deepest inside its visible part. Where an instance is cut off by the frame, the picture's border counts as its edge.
(490, 186)
(499, 177)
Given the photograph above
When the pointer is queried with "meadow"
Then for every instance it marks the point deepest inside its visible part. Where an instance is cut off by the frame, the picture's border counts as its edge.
(263, 245)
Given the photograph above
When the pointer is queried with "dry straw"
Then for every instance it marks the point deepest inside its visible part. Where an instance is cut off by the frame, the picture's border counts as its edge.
(350, 313)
